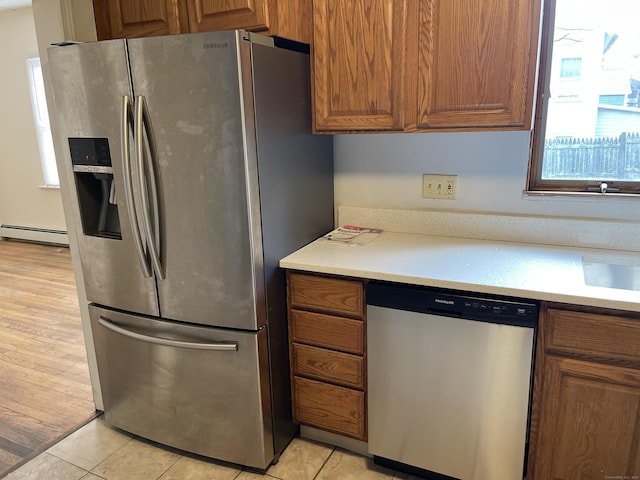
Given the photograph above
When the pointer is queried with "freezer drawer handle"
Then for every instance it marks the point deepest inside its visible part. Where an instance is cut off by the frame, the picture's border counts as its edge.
(127, 119)
(225, 346)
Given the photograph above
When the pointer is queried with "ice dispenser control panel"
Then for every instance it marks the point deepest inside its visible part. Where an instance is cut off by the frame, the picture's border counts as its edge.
(90, 151)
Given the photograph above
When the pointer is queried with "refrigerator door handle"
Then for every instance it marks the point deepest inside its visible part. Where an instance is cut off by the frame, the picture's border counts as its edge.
(145, 152)
(223, 346)
(126, 121)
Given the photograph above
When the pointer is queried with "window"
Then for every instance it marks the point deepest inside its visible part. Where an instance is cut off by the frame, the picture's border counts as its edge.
(587, 129)
(570, 67)
(41, 119)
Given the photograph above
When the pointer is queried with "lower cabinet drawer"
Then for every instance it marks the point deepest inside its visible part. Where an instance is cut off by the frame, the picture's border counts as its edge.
(329, 407)
(333, 295)
(322, 364)
(593, 335)
(336, 333)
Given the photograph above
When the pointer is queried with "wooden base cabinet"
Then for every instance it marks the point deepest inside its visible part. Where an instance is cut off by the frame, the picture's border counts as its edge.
(327, 347)
(586, 413)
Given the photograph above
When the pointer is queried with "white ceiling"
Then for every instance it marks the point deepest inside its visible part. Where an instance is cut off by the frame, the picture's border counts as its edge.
(10, 4)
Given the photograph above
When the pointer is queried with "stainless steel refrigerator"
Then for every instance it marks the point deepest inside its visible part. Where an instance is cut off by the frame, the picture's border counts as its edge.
(190, 169)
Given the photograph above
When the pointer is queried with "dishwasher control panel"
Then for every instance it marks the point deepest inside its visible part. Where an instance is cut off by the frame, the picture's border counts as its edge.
(498, 307)
(453, 304)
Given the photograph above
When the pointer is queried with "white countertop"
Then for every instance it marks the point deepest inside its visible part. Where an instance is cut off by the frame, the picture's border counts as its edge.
(540, 272)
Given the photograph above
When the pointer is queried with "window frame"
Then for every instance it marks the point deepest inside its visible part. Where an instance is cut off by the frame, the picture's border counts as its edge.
(50, 176)
(535, 184)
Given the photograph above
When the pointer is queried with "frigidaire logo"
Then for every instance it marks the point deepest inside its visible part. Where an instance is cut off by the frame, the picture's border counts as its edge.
(445, 302)
(216, 45)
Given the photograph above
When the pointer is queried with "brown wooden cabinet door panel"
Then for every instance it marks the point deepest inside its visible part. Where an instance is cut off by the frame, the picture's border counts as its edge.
(337, 333)
(327, 365)
(329, 407)
(139, 18)
(358, 64)
(476, 63)
(333, 295)
(206, 15)
(293, 20)
(590, 421)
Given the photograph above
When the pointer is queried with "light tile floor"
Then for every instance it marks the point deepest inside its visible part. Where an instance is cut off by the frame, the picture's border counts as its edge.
(96, 452)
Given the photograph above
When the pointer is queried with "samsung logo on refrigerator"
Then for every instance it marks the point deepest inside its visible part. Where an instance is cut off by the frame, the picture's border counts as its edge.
(216, 45)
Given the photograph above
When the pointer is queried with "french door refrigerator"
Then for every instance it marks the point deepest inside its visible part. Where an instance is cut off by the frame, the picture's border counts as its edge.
(188, 170)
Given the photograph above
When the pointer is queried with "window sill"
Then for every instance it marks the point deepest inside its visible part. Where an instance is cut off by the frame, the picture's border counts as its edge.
(49, 187)
(586, 195)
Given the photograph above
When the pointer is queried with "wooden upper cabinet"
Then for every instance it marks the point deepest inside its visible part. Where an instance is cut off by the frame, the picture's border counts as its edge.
(358, 64)
(424, 64)
(290, 19)
(477, 63)
(205, 15)
(139, 18)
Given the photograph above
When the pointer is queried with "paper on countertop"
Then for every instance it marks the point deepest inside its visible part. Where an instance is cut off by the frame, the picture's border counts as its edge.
(352, 235)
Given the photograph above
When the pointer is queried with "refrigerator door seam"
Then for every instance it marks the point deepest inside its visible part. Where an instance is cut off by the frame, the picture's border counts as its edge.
(127, 120)
(252, 185)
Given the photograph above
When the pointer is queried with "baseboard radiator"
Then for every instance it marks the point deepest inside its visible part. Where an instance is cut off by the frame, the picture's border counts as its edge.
(40, 235)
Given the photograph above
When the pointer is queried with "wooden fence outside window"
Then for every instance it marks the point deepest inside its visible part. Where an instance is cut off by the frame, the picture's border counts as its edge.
(593, 158)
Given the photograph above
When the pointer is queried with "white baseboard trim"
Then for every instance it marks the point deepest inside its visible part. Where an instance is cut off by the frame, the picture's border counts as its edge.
(41, 235)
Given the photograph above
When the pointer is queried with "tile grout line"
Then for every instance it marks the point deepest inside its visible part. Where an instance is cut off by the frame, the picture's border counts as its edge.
(107, 457)
(86, 472)
(324, 463)
(169, 468)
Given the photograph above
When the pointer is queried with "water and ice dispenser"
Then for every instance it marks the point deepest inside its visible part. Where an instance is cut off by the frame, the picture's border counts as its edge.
(93, 174)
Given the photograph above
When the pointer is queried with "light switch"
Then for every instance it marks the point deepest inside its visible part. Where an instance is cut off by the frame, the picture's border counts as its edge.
(439, 186)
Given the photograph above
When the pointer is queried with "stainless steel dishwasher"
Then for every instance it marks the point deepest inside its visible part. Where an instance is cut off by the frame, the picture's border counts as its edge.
(449, 380)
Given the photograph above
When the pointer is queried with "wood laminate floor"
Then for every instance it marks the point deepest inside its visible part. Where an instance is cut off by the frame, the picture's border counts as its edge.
(44, 380)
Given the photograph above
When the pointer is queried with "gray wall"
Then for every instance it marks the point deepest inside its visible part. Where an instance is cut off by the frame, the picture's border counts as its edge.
(385, 171)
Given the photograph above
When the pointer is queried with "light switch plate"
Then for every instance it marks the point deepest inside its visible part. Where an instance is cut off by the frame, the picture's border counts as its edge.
(439, 186)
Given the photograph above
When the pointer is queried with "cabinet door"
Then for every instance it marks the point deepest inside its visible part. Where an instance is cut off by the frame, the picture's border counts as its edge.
(139, 18)
(292, 20)
(590, 421)
(476, 63)
(358, 64)
(207, 15)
